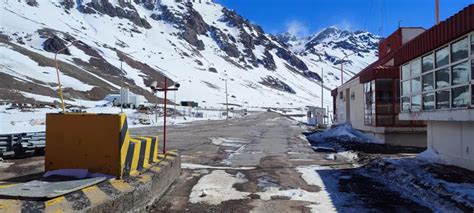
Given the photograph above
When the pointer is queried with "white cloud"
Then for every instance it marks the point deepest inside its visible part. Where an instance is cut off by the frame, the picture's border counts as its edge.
(297, 28)
(345, 25)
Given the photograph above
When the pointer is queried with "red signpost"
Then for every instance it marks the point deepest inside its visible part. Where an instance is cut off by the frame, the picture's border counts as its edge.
(154, 87)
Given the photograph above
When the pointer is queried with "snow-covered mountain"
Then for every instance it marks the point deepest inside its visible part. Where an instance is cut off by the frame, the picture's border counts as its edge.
(330, 46)
(197, 43)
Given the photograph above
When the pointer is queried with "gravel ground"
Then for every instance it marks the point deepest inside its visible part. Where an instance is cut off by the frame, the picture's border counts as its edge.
(263, 163)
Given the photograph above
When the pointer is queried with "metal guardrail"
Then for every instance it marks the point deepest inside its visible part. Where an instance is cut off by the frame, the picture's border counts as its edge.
(19, 144)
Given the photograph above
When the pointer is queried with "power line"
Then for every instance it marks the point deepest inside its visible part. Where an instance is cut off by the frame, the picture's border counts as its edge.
(368, 14)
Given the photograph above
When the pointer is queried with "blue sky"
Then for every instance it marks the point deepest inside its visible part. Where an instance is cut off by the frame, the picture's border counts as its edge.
(303, 17)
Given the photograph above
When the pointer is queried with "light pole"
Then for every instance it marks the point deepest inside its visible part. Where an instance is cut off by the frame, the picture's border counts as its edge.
(342, 66)
(226, 96)
(165, 89)
(322, 87)
(226, 100)
(121, 79)
(57, 73)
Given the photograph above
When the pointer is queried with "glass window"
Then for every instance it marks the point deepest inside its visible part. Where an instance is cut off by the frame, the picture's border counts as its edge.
(406, 88)
(442, 78)
(406, 71)
(415, 68)
(461, 97)
(460, 50)
(384, 100)
(415, 85)
(428, 81)
(428, 101)
(427, 63)
(369, 107)
(472, 94)
(405, 104)
(442, 57)
(460, 73)
(472, 44)
(416, 103)
(472, 69)
(442, 99)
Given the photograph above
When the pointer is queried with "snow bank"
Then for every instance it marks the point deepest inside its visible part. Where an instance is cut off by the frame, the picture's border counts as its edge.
(342, 133)
(429, 155)
(417, 180)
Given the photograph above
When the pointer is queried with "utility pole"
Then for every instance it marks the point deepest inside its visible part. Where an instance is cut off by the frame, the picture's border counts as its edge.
(322, 88)
(164, 116)
(57, 73)
(174, 114)
(342, 67)
(121, 79)
(156, 108)
(226, 99)
(121, 87)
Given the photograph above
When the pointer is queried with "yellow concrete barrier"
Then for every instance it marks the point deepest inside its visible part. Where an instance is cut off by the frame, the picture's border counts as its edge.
(97, 142)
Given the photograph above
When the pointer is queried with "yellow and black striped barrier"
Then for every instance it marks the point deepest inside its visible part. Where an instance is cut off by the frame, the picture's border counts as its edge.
(98, 142)
(108, 196)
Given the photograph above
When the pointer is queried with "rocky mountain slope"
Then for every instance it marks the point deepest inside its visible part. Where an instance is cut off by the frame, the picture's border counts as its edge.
(199, 44)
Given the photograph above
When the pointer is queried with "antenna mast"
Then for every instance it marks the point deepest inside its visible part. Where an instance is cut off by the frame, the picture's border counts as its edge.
(437, 11)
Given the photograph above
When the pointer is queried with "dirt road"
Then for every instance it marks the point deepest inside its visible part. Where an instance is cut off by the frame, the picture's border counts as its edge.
(263, 163)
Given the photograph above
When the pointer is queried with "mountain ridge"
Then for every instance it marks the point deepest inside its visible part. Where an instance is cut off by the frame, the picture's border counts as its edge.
(198, 45)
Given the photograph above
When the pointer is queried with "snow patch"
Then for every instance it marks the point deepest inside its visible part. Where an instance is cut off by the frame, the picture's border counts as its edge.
(217, 187)
(343, 133)
(232, 142)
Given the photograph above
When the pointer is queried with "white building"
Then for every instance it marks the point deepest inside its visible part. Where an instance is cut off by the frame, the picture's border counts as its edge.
(369, 101)
(315, 115)
(126, 98)
(437, 86)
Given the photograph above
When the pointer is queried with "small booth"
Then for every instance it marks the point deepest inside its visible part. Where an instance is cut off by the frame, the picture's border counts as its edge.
(315, 115)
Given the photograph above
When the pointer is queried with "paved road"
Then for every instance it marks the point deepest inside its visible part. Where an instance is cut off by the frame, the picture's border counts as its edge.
(262, 163)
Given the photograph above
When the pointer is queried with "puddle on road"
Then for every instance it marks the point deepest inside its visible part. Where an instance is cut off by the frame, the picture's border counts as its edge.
(266, 181)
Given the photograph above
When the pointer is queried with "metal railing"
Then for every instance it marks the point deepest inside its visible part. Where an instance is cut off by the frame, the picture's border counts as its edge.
(19, 144)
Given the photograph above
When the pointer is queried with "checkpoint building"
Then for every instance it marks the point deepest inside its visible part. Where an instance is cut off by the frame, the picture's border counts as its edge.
(369, 101)
(437, 86)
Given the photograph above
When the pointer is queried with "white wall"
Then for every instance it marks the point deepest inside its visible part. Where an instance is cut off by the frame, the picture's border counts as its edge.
(453, 141)
(410, 33)
(356, 105)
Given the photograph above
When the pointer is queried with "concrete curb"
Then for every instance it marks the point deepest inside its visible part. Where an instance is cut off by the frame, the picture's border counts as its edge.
(133, 194)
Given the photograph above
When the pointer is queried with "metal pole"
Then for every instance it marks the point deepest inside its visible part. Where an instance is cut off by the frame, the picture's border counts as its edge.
(164, 117)
(342, 66)
(322, 88)
(342, 71)
(121, 87)
(174, 114)
(437, 11)
(57, 74)
(226, 100)
(156, 108)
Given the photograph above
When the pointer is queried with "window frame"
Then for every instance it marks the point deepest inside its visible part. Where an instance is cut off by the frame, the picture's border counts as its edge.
(470, 82)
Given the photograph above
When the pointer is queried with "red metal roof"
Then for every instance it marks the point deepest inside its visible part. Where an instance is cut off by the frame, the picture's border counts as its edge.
(379, 72)
(452, 28)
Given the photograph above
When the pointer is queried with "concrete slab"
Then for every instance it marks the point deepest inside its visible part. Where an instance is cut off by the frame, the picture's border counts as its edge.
(41, 190)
